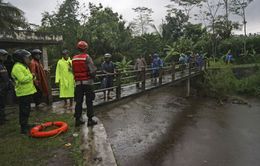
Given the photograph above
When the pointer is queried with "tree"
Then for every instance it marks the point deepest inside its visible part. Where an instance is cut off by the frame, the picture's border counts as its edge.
(174, 26)
(64, 21)
(11, 17)
(187, 5)
(194, 31)
(224, 28)
(106, 31)
(239, 7)
(211, 14)
(146, 45)
(143, 21)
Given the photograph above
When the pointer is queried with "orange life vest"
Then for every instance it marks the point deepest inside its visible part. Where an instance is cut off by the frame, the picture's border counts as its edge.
(80, 68)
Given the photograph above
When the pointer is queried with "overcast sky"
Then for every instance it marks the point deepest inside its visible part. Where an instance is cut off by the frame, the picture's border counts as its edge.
(34, 8)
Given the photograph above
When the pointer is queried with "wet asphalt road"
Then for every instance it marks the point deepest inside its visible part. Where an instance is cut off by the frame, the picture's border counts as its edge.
(161, 128)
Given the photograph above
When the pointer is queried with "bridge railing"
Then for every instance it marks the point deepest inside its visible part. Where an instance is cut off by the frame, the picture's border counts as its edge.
(142, 79)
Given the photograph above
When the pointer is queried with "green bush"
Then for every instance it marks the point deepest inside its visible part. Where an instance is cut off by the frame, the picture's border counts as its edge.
(250, 85)
(220, 83)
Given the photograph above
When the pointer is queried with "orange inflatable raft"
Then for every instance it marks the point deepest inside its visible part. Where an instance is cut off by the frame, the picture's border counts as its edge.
(38, 133)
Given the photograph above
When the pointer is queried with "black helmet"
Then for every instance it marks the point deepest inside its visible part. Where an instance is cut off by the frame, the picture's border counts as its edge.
(36, 52)
(3, 52)
(19, 55)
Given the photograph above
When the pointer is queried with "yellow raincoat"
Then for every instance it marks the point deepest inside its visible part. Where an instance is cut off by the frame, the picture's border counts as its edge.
(65, 79)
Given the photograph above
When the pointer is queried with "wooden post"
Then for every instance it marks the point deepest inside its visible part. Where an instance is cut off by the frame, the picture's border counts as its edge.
(188, 81)
(173, 72)
(143, 78)
(118, 88)
(188, 87)
(47, 72)
(160, 76)
(205, 64)
(189, 68)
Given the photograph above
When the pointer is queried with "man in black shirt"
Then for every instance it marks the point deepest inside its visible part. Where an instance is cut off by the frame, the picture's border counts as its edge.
(108, 68)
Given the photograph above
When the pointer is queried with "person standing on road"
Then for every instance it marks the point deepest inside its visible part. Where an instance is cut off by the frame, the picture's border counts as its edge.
(40, 80)
(5, 85)
(108, 68)
(24, 87)
(84, 72)
(64, 78)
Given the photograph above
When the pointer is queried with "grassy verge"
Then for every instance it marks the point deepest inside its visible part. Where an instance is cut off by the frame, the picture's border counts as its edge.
(221, 64)
(16, 149)
(223, 82)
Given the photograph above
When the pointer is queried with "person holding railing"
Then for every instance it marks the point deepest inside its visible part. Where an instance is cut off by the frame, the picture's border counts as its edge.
(140, 65)
(108, 68)
(183, 60)
(84, 73)
(199, 61)
(156, 65)
(64, 78)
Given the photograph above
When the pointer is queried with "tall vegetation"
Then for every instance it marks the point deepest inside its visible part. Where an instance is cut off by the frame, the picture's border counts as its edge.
(106, 31)
(11, 17)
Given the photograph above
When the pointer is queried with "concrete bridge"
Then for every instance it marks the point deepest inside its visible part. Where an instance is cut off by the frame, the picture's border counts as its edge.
(125, 82)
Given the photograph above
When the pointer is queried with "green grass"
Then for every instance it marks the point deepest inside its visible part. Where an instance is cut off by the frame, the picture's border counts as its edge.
(221, 64)
(17, 149)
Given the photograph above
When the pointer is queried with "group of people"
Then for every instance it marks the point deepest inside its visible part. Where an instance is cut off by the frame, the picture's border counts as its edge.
(29, 79)
(196, 59)
(75, 77)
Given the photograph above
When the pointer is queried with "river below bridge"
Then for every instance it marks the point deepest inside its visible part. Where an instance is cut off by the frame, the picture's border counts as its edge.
(163, 128)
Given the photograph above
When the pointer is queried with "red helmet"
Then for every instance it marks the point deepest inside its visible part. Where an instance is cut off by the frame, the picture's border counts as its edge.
(82, 45)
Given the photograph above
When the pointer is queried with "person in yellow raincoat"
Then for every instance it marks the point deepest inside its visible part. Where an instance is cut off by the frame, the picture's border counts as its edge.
(65, 79)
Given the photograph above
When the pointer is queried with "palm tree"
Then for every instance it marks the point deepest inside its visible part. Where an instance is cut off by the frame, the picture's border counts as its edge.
(11, 17)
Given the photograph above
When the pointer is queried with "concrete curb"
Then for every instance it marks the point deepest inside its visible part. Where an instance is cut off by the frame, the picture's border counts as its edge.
(96, 148)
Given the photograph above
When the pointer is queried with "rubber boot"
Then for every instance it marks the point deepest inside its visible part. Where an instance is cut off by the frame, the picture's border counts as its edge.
(92, 122)
(24, 129)
(79, 122)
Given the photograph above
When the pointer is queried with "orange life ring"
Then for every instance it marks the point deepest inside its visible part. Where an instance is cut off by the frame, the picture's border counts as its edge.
(36, 131)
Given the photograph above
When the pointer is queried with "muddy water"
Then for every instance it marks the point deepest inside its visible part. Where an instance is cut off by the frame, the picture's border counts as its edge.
(163, 128)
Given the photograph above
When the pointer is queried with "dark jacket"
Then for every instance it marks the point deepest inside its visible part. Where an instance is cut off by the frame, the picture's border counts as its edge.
(4, 79)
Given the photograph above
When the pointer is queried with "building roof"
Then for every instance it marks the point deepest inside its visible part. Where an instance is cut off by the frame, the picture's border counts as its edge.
(22, 38)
